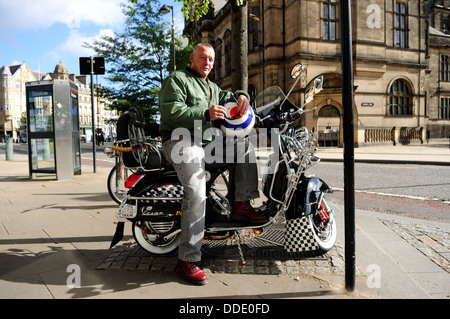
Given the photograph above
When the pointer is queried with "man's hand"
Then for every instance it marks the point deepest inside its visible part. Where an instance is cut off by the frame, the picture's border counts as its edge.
(217, 112)
(243, 104)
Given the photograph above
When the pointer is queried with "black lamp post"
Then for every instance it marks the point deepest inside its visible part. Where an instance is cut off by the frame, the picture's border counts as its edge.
(166, 9)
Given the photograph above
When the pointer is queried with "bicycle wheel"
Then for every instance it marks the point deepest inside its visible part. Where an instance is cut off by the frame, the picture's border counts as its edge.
(116, 183)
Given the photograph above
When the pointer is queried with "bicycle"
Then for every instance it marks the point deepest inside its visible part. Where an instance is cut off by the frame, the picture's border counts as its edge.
(117, 176)
(131, 151)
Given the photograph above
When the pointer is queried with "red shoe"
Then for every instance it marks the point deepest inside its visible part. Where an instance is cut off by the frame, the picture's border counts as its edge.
(191, 272)
(243, 211)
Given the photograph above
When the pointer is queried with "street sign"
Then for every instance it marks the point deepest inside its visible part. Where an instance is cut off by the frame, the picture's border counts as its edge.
(85, 65)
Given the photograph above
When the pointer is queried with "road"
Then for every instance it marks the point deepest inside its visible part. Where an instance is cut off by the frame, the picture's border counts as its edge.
(419, 191)
(422, 181)
(102, 160)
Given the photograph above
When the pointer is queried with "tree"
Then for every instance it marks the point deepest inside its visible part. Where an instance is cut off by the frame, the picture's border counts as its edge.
(137, 58)
(239, 39)
(194, 9)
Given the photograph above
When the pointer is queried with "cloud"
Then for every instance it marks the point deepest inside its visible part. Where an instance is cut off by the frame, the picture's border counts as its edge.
(73, 47)
(42, 14)
(74, 43)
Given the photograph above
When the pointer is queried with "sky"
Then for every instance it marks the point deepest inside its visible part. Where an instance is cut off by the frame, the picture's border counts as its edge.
(43, 33)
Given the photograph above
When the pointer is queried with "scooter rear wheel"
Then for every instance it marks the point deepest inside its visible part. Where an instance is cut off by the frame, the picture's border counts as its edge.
(149, 236)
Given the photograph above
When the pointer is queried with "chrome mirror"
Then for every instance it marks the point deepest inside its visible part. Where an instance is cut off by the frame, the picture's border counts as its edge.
(316, 88)
(297, 70)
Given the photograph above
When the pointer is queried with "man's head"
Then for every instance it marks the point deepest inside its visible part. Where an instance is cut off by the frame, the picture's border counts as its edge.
(202, 59)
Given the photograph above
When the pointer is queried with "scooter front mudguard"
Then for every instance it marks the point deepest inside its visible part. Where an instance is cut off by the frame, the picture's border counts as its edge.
(306, 197)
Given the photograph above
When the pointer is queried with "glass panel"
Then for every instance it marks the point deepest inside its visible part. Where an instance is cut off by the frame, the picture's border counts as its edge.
(255, 24)
(40, 111)
(76, 153)
(329, 111)
(74, 106)
(332, 30)
(325, 30)
(43, 154)
(255, 41)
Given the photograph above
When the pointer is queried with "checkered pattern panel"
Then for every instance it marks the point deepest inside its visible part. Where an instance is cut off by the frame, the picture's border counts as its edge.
(299, 236)
(167, 191)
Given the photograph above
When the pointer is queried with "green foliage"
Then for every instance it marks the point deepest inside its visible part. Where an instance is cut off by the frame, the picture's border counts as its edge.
(137, 58)
(195, 9)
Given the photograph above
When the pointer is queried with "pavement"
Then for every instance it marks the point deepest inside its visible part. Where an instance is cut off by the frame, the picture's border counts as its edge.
(55, 237)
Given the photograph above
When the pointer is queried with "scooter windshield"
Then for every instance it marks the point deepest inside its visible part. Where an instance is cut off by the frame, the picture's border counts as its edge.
(268, 99)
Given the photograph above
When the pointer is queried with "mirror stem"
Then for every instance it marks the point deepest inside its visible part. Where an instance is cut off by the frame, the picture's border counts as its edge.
(295, 83)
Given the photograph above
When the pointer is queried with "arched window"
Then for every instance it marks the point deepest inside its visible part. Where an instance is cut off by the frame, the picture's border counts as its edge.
(400, 98)
(328, 124)
(329, 111)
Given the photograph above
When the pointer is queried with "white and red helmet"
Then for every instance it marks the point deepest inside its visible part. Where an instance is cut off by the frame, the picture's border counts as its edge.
(235, 124)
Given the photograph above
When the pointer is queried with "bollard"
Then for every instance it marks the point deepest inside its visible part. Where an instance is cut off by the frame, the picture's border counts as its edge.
(9, 152)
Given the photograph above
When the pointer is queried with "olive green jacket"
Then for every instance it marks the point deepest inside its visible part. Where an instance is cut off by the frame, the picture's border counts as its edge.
(185, 97)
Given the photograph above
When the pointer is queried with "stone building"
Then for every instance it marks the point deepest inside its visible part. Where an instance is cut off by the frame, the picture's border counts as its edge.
(13, 100)
(12, 97)
(400, 55)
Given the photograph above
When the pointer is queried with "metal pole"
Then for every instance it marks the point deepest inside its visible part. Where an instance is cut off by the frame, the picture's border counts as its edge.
(9, 149)
(165, 9)
(173, 40)
(349, 160)
(93, 115)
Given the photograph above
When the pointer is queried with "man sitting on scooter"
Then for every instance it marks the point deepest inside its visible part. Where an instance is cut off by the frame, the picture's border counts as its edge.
(187, 99)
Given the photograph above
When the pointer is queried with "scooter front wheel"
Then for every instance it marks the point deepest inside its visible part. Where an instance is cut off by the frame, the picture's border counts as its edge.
(325, 238)
(155, 237)
(325, 233)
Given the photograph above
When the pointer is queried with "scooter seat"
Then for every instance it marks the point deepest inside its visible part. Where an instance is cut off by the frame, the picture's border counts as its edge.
(156, 160)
